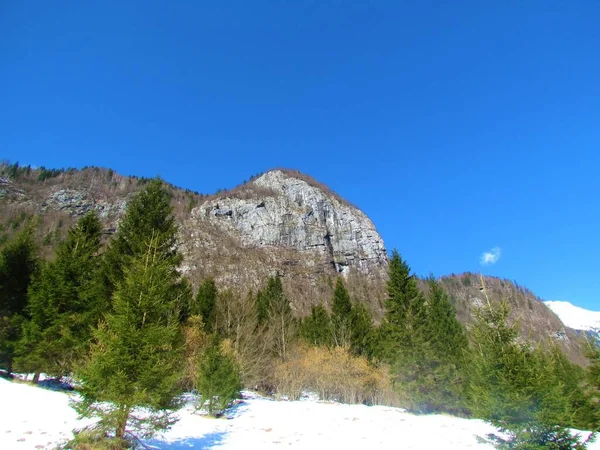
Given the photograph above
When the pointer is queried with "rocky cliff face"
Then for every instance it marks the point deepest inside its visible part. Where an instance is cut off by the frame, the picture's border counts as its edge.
(278, 210)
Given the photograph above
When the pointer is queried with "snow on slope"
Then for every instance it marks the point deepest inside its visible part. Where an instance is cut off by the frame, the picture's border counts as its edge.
(32, 417)
(575, 317)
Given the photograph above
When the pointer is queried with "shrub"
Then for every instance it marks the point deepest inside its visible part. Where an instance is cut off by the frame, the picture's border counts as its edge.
(334, 374)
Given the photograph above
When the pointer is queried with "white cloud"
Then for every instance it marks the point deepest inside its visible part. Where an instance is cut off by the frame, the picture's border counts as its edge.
(491, 257)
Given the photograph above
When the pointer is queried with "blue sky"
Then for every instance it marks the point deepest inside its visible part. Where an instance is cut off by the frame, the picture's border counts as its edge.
(458, 127)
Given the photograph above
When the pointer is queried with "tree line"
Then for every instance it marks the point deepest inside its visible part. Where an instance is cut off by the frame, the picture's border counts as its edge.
(123, 321)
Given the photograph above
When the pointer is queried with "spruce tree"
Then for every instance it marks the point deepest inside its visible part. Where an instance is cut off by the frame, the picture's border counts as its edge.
(135, 361)
(64, 304)
(447, 355)
(274, 310)
(149, 213)
(219, 381)
(18, 265)
(362, 334)
(204, 306)
(341, 315)
(316, 329)
(512, 387)
(402, 341)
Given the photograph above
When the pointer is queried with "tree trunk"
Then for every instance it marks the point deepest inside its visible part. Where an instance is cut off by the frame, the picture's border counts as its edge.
(36, 377)
(122, 422)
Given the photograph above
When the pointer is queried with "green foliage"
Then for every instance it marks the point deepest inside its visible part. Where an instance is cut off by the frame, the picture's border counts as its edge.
(362, 332)
(592, 378)
(148, 214)
(18, 265)
(341, 315)
(135, 361)
(64, 303)
(316, 328)
(528, 394)
(206, 299)
(274, 310)
(219, 381)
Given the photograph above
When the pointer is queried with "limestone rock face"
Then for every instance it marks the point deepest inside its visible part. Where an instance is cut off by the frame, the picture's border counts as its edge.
(279, 210)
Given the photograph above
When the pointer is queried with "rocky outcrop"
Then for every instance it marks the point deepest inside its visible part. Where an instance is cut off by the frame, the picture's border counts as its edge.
(278, 210)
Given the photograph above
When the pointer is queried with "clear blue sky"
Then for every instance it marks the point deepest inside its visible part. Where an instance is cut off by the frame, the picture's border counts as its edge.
(456, 126)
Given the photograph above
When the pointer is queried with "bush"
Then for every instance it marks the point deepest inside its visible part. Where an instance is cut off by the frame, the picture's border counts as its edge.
(334, 374)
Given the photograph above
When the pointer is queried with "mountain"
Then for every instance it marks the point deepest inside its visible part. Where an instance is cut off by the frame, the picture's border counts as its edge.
(535, 319)
(280, 222)
(585, 321)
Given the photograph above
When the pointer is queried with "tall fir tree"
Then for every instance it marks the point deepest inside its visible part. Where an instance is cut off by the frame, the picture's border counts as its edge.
(274, 310)
(205, 304)
(18, 265)
(447, 354)
(149, 213)
(135, 361)
(316, 329)
(341, 315)
(362, 331)
(402, 342)
(64, 304)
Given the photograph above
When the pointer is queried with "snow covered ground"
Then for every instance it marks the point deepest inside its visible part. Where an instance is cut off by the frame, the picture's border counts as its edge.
(575, 317)
(36, 418)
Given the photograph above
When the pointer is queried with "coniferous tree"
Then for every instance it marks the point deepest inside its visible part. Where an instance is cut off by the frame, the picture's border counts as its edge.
(362, 334)
(316, 329)
(18, 265)
(135, 361)
(64, 304)
(219, 381)
(204, 306)
(447, 353)
(149, 213)
(274, 310)
(341, 315)
(402, 341)
(511, 387)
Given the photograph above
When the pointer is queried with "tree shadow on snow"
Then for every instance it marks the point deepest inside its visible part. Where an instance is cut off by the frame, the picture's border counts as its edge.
(207, 441)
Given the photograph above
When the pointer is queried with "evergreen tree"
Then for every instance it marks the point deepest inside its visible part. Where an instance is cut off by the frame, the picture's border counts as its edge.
(149, 213)
(362, 331)
(512, 387)
(316, 328)
(136, 359)
(206, 299)
(401, 333)
(219, 381)
(341, 315)
(447, 353)
(274, 310)
(402, 341)
(18, 265)
(63, 304)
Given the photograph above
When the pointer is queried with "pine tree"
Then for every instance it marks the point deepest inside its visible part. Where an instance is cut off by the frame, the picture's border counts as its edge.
(219, 381)
(64, 304)
(135, 361)
(204, 306)
(18, 265)
(341, 315)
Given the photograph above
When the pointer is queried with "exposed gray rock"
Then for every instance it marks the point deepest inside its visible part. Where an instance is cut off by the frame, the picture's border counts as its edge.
(290, 213)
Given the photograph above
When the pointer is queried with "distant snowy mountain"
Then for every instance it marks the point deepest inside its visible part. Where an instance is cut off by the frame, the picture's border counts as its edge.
(583, 320)
(576, 317)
